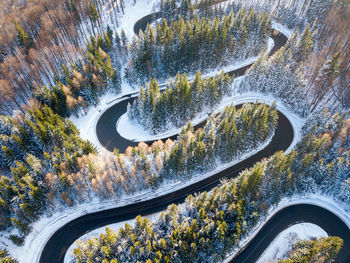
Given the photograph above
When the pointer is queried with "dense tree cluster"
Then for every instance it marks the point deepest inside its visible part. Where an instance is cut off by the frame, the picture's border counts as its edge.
(81, 84)
(210, 224)
(38, 37)
(180, 102)
(224, 138)
(34, 145)
(336, 94)
(189, 45)
(37, 132)
(170, 9)
(328, 19)
(173, 9)
(145, 167)
(280, 75)
(324, 161)
(323, 250)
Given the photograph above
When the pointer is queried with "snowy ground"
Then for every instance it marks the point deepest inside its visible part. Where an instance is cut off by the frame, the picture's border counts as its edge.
(283, 243)
(285, 30)
(132, 13)
(134, 131)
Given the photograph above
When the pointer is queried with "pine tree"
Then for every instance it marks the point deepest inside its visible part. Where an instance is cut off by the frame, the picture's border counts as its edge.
(5, 257)
(93, 12)
(109, 33)
(328, 74)
(322, 249)
(124, 38)
(24, 39)
(305, 45)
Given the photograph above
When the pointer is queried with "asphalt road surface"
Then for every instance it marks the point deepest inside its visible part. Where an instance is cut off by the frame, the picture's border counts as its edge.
(55, 249)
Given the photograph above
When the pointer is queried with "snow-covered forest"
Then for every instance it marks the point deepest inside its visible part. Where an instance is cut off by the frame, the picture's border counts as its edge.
(59, 170)
(209, 225)
(189, 45)
(280, 74)
(179, 103)
(59, 58)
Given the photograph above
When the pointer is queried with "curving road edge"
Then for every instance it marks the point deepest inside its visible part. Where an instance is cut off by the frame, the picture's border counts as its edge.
(59, 242)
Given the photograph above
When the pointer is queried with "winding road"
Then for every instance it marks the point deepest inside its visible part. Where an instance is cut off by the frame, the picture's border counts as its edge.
(106, 131)
(56, 247)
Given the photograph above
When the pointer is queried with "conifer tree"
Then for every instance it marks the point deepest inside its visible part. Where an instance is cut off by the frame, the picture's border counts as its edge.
(328, 74)
(93, 12)
(305, 45)
(24, 39)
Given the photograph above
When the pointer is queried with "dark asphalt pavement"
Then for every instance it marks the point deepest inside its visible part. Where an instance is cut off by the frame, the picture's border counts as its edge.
(57, 245)
(55, 249)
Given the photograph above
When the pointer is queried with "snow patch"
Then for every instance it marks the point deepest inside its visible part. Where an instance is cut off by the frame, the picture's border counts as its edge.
(283, 29)
(285, 241)
(134, 131)
(135, 12)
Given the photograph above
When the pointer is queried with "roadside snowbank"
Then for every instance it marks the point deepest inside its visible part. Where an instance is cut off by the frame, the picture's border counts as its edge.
(134, 12)
(283, 29)
(134, 131)
(284, 242)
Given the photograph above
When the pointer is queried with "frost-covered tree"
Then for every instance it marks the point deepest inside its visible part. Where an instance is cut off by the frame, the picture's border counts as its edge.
(223, 139)
(329, 73)
(189, 45)
(179, 103)
(281, 75)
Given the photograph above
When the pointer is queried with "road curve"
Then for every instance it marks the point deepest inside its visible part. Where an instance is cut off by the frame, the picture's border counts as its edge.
(289, 216)
(106, 131)
(56, 247)
(60, 241)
